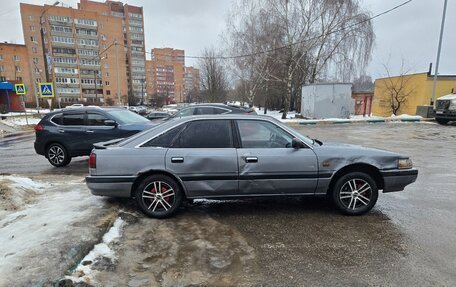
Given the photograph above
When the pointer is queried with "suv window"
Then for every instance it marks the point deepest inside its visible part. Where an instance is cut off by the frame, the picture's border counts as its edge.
(94, 119)
(57, 119)
(185, 112)
(260, 134)
(165, 139)
(73, 119)
(220, 111)
(206, 134)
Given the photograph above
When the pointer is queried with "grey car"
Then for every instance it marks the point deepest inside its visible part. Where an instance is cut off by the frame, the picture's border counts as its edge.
(235, 156)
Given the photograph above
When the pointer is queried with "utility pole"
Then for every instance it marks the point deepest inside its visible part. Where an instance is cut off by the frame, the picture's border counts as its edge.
(117, 71)
(438, 53)
(95, 74)
(142, 91)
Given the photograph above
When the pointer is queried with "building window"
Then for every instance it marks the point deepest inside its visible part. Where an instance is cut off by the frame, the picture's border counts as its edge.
(86, 22)
(59, 39)
(19, 79)
(106, 74)
(106, 65)
(38, 80)
(60, 19)
(134, 15)
(106, 83)
(62, 29)
(2, 79)
(37, 70)
(35, 60)
(2, 68)
(18, 68)
(108, 92)
(30, 18)
(32, 28)
(33, 39)
(34, 50)
(16, 58)
(103, 37)
(1, 57)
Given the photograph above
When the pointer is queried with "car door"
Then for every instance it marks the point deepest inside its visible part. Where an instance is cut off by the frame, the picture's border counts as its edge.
(204, 158)
(269, 165)
(73, 132)
(97, 131)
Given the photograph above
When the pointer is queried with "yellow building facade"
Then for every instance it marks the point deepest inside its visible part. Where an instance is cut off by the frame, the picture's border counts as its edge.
(414, 89)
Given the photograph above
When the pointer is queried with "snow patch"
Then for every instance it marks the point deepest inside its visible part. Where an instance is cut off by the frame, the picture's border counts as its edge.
(25, 182)
(84, 272)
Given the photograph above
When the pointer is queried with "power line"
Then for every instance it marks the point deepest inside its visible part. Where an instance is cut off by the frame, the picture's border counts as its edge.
(298, 42)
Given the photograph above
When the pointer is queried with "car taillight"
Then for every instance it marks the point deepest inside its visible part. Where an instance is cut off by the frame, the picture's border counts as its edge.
(38, 127)
(93, 160)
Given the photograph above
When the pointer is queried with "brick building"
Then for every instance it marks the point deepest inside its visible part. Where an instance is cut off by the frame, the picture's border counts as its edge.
(192, 84)
(165, 79)
(14, 67)
(84, 63)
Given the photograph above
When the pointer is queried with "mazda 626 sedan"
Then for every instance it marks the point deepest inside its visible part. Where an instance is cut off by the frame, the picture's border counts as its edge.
(232, 156)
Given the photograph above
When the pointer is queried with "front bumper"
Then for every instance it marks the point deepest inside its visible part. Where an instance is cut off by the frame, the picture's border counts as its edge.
(114, 186)
(398, 179)
(445, 114)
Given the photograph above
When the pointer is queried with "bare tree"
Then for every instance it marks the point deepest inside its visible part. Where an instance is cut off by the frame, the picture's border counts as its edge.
(396, 89)
(293, 42)
(213, 77)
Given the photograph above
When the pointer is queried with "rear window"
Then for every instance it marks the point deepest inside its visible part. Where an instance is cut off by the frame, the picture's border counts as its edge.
(57, 119)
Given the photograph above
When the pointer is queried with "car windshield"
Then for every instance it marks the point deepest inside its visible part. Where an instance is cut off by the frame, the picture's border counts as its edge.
(127, 117)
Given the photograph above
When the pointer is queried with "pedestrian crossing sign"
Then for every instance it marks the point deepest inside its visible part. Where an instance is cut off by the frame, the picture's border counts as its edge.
(46, 90)
(20, 89)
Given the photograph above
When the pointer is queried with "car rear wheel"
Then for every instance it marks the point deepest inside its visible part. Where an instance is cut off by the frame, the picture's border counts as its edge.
(355, 193)
(159, 196)
(57, 155)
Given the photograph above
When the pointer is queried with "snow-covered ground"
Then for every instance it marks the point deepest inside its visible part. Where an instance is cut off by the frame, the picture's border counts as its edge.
(43, 226)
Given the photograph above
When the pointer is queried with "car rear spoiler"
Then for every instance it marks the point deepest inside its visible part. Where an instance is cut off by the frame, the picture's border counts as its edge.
(104, 145)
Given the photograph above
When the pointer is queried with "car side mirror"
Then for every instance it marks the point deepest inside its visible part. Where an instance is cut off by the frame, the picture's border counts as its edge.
(297, 143)
(110, 123)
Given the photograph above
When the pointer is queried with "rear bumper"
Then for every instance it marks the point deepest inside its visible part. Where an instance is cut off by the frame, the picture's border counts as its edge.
(398, 179)
(39, 148)
(114, 186)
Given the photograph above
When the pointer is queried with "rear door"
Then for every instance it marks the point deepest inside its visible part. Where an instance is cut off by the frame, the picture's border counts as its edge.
(73, 132)
(204, 157)
(269, 165)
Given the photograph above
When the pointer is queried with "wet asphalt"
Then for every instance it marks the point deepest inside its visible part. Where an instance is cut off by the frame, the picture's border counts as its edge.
(408, 238)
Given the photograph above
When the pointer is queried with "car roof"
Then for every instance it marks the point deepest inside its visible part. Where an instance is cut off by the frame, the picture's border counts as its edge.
(224, 116)
(85, 108)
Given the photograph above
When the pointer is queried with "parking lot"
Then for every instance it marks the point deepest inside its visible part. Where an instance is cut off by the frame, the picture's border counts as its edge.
(408, 238)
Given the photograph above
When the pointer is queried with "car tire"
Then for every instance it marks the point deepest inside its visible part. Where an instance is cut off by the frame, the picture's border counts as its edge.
(355, 193)
(57, 155)
(162, 205)
(442, 121)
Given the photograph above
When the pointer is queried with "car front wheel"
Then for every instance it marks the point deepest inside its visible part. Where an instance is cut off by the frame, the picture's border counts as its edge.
(159, 196)
(57, 155)
(355, 193)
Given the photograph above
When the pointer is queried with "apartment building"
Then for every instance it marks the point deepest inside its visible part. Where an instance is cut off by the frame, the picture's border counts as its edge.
(133, 40)
(192, 84)
(89, 51)
(14, 67)
(165, 76)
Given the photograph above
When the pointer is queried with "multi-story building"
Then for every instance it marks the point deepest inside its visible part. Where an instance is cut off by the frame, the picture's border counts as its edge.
(14, 67)
(133, 40)
(165, 76)
(90, 52)
(192, 84)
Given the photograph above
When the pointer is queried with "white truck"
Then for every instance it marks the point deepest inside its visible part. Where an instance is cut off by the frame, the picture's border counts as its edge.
(445, 109)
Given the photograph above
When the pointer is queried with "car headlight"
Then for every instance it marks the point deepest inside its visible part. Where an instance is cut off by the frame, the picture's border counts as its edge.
(452, 105)
(404, 163)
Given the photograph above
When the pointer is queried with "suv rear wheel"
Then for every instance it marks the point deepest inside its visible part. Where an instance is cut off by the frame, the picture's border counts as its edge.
(442, 121)
(57, 155)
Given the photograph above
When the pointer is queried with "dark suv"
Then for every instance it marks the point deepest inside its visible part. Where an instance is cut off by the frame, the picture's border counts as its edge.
(68, 133)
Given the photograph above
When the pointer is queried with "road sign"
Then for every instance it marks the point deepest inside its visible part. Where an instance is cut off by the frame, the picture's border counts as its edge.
(46, 90)
(20, 89)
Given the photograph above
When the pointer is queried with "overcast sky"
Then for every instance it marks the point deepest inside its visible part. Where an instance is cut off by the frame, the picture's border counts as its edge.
(410, 33)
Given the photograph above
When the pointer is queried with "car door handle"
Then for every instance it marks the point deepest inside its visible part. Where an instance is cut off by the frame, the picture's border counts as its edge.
(177, 159)
(61, 130)
(89, 131)
(251, 159)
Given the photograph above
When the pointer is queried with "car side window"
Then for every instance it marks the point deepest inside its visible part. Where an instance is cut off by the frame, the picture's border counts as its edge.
(206, 134)
(204, 111)
(261, 134)
(95, 119)
(76, 119)
(186, 112)
(218, 111)
(165, 139)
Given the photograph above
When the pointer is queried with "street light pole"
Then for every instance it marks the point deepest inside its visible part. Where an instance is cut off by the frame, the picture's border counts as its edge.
(142, 92)
(117, 71)
(438, 52)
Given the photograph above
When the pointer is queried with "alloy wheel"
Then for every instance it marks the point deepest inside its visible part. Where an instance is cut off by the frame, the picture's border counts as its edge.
(356, 193)
(56, 155)
(158, 196)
